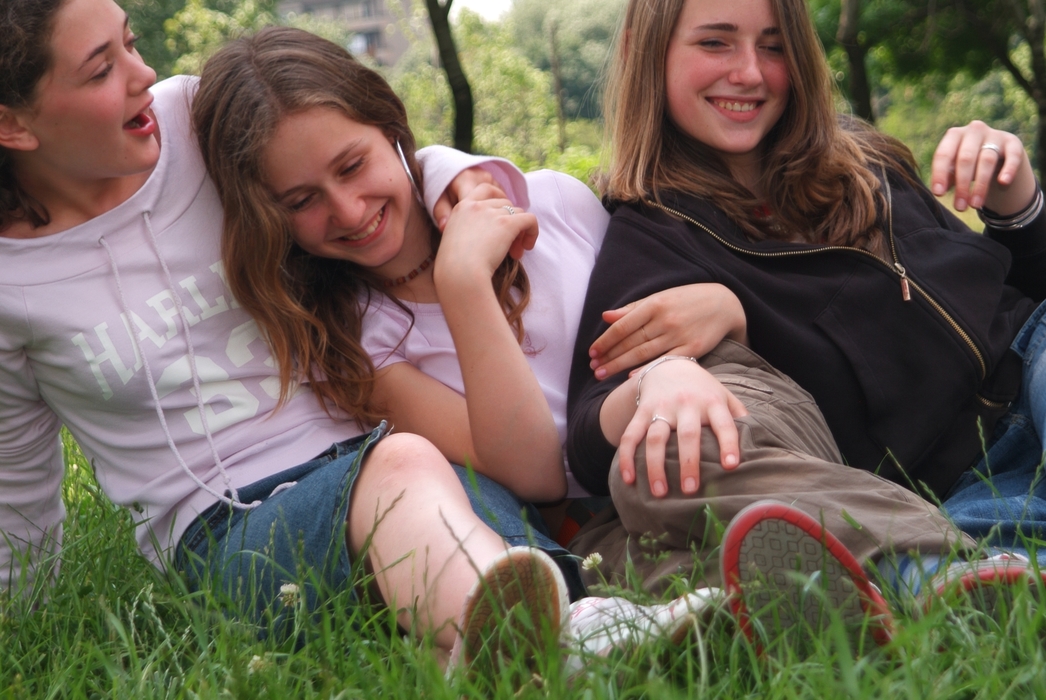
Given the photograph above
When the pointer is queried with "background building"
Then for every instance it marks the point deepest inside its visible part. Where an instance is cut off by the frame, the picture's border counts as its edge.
(375, 23)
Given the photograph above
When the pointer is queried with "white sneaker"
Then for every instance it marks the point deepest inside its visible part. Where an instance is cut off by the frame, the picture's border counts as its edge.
(597, 626)
(523, 587)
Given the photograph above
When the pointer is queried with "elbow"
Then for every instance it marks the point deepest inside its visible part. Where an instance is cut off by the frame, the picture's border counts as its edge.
(546, 483)
(545, 491)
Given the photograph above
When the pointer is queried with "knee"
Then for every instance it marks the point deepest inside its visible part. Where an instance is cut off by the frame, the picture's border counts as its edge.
(404, 459)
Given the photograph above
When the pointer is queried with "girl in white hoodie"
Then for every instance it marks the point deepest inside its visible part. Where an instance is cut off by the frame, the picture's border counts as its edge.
(116, 321)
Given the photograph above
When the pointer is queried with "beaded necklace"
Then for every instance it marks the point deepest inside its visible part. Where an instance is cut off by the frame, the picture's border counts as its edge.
(412, 274)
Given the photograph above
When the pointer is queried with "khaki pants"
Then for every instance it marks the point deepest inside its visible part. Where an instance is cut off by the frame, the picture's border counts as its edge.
(787, 454)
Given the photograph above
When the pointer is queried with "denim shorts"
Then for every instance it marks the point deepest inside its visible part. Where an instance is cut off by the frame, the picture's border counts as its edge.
(296, 535)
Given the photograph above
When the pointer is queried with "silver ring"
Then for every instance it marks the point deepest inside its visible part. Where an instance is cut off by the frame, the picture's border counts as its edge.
(656, 418)
(509, 209)
(993, 147)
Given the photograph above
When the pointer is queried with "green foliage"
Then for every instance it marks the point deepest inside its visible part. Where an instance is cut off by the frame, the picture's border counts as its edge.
(918, 112)
(910, 38)
(147, 18)
(200, 29)
(585, 30)
(177, 36)
(514, 108)
(937, 65)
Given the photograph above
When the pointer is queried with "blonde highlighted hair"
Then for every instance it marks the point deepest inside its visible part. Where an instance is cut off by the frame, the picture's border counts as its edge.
(821, 172)
(309, 308)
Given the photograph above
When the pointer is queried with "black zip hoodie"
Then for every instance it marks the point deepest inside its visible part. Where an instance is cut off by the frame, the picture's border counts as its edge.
(902, 383)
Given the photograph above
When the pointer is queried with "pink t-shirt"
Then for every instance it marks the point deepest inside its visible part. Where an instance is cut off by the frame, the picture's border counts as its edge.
(572, 223)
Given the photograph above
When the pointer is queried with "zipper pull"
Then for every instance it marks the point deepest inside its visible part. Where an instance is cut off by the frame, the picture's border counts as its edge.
(906, 292)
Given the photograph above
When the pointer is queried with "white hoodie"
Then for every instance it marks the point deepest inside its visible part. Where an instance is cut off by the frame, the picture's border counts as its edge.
(90, 329)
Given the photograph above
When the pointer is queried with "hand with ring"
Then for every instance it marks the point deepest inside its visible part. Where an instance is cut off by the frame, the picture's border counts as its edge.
(677, 396)
(988, 168)
(482, 229)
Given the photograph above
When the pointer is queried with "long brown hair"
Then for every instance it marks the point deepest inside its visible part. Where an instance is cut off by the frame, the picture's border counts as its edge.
(25, 57)
(310, 308)
(821, 172)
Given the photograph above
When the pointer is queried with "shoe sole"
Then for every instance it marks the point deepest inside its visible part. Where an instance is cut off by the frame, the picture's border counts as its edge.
(523, 586)
(771, 552)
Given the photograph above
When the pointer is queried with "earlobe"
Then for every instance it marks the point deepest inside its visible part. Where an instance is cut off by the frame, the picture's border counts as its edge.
(15, 134)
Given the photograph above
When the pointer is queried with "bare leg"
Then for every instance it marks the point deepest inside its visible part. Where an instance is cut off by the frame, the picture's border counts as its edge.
(426, 544)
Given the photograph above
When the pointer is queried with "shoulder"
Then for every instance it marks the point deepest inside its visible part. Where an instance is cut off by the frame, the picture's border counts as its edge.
(679, 226)
(560, 199)
(440, 165)
(172, 105)
(174, 94)
(650, 216)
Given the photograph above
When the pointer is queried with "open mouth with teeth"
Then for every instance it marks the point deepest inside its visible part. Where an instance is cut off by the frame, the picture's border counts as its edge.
(353, 238)
(139, 122)
(736, 106)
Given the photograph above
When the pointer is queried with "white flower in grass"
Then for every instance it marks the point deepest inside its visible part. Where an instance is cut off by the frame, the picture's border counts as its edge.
(592, 561)
(289, 594)
(256, 664)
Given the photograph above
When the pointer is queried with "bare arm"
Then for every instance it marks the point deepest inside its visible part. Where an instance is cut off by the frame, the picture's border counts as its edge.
(416, 403)
(513, 432)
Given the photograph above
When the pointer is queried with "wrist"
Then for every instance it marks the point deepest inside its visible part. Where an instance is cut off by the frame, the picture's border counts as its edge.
(458, 279)
(1013, 221)
(646, 370)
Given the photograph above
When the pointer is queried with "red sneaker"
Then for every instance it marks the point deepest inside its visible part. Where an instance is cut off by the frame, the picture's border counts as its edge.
(781, 568)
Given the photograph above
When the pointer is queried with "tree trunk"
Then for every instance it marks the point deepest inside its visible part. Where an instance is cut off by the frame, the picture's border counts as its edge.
(557, 86)
(848, 37)
(439, 15)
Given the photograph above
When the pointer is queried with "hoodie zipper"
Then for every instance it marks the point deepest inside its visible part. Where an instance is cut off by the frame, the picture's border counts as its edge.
(907, 284)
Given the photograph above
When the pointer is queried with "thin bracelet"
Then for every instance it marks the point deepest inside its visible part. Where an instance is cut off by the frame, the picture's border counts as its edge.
(1018, 220)
(655, 363)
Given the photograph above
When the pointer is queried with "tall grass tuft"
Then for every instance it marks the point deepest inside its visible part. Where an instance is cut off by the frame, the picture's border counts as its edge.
(112, 626)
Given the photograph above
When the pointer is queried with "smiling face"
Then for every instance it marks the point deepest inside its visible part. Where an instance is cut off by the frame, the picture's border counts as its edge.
(726, 80)
(90, 118)
(346, 191)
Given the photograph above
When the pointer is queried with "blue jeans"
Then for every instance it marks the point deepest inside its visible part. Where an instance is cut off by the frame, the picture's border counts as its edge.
(1002, 500)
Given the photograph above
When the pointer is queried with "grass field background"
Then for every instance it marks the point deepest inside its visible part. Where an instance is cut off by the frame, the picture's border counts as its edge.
(111, 626)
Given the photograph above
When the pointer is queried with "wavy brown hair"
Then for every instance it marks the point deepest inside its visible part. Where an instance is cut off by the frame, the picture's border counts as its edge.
(821, 172)
(310, 308)
(25, 57)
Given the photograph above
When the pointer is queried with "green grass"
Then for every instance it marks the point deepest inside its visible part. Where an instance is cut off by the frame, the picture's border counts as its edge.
(112, 626)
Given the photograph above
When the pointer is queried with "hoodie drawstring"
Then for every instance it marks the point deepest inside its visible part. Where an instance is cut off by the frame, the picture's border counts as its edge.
(232, 499)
